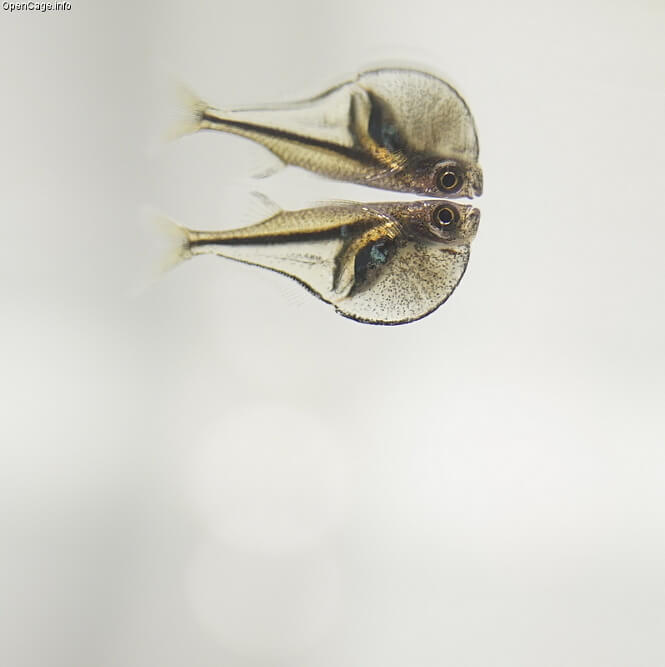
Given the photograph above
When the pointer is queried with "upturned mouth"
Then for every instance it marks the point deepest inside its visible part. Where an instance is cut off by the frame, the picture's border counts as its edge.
(477, 183)
(472, 223)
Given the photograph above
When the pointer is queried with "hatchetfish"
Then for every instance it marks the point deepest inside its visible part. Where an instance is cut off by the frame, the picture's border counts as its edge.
(396, 129)
(379, 263)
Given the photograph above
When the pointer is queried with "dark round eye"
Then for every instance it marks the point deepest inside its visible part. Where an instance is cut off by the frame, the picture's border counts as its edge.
(444, 215)
(448, 179)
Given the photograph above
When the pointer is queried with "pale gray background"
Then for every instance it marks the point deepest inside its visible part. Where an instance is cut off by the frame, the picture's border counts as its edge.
(214, 469)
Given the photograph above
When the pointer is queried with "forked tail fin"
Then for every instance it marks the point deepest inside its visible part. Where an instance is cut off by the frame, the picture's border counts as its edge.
(178, 241)
(191, 110)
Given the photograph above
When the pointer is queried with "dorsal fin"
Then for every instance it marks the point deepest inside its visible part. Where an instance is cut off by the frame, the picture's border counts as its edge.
(333, 202)
(260, 208)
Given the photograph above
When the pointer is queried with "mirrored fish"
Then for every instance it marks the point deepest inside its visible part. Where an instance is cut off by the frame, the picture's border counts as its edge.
(395, 129)
(380, 263)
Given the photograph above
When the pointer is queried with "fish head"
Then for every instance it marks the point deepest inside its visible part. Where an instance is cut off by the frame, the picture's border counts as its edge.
(449, 177)
(438, 221)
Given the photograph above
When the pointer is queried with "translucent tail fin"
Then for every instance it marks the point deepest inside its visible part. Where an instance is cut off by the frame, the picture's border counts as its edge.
(178, 240)
(191, 109)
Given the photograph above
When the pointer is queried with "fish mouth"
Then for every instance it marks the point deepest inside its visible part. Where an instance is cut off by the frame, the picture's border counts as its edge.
(476, 182)
(472, 223)
(473, 186)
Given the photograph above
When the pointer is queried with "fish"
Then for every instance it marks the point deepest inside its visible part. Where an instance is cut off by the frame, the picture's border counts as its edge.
(395, 129)
(376, 263)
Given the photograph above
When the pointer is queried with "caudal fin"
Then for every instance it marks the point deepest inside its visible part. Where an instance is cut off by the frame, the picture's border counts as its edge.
(191, 110)
(178, 243)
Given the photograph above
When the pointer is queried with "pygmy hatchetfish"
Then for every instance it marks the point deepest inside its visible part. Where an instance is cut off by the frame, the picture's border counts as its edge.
(381, 263)
(397, 129)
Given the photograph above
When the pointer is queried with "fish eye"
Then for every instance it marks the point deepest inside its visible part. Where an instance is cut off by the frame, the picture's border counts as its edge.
(444, 215)
(449, 179)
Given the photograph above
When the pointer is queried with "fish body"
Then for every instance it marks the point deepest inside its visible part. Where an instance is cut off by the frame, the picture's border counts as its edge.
(395, 129)
(380, 263)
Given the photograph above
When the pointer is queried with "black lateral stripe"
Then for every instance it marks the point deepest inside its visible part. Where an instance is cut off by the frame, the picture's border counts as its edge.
(347, 151)
(268, 239)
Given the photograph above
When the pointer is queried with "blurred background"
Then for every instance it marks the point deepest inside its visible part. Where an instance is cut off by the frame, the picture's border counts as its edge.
(213, 468)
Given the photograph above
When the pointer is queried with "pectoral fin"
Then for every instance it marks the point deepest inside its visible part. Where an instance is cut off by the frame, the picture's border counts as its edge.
(370, 125)
(363, 257)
